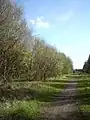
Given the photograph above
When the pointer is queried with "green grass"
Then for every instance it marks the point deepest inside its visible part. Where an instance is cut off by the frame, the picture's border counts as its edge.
(41, 91)
(85, 108)
(20, 110)
(84, 94)
(23, 100)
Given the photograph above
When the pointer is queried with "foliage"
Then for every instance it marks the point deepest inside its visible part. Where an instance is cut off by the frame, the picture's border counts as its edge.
(22, 55)
(86, 67)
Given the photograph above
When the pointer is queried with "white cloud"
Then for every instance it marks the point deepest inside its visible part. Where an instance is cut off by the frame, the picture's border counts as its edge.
(66, 16)
(40, 22)
(32, 21)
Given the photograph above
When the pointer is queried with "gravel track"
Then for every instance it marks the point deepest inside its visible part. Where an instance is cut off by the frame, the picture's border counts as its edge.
(64, 105)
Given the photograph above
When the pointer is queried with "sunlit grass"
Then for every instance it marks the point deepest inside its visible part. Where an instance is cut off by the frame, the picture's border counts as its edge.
(84, 93)
(85, 108)
(27, 109)
(42, 93)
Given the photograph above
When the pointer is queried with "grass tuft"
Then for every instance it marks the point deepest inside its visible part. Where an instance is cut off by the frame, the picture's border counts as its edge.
(17, 109)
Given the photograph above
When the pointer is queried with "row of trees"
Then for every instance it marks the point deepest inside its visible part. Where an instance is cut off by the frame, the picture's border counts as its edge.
(86, 67)
(23, 55)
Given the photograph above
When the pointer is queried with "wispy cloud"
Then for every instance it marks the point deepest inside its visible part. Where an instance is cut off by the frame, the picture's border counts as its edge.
(40, 22)
(66, 16)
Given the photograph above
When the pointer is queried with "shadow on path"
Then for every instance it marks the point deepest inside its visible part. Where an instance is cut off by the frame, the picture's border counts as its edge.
(64, 105)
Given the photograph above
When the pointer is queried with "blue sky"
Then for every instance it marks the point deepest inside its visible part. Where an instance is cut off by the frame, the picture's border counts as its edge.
(63, 23)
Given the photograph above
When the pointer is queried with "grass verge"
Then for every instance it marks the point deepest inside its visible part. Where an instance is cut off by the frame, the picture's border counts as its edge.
(84, 95)
(18, 110)
(23, 100)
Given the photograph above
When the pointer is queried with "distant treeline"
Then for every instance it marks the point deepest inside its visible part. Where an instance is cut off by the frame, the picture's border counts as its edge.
(85, 69)
(78, 70)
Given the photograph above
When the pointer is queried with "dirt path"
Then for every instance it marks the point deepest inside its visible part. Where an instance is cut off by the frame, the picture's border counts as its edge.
(64, 106)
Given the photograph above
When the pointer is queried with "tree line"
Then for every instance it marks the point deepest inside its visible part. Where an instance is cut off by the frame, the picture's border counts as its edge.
(24, 55)
(86, 66)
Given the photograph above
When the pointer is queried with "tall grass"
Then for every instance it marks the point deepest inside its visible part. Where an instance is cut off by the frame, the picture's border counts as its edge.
(18, 109)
